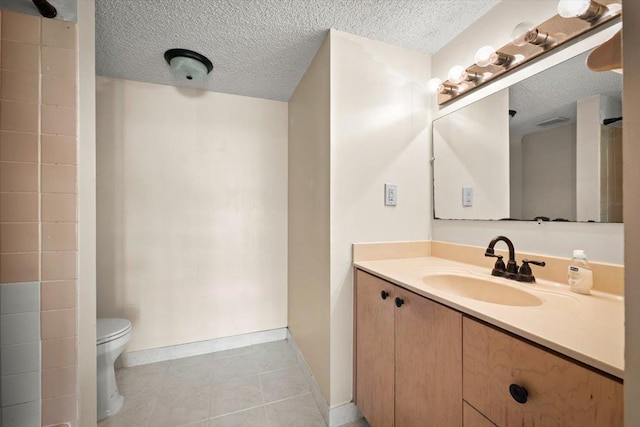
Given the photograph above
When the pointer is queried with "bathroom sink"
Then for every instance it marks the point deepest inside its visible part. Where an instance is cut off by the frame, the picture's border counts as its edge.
(481, 289)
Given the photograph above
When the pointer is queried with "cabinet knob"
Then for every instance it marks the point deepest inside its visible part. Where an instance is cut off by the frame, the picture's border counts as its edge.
(399, 302)
(384, 294)
(519, 394)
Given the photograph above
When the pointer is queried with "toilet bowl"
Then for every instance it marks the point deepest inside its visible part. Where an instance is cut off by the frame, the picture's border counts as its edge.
(112, 335)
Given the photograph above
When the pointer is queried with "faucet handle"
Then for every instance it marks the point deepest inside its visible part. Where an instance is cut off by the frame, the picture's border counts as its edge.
(499, 266)
(525, 270)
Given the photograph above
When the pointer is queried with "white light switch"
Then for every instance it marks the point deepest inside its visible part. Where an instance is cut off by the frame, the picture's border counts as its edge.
(467, 196)
(390, 194)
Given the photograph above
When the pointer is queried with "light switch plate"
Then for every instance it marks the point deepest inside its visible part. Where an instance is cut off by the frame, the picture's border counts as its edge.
(467, 196)
(390, 194)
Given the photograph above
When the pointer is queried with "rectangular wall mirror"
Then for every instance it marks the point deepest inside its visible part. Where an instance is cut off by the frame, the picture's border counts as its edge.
(546, 148)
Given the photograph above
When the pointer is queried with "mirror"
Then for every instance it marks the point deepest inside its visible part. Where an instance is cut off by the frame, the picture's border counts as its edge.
(546, 148)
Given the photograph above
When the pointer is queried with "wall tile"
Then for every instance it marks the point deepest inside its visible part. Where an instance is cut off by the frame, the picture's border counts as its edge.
(19, 237)
(22, 267)
(20, 177)
(19, 297)
(58, 324)
(58, 207)
(58, 62)
(58, 382)
(58, 295)
(59, 236)
(58, 33)
(20, 86)
(59, 353)
(20, 27)
(20, 388)
(59, 179)
(59, 410)
(18, 207)
(58, 91)
(19, 56)
(24, 415)
(19, 328)
(58, 120)
(18, 116)
(19, 358)
(59, 265)
(59, 149)
(18, 146)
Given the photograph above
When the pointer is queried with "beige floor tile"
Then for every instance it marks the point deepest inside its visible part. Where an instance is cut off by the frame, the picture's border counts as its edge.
(283, 384)
(242, 365)
(296, 412)
(178, 409)
(132, 414)
(255, 417)
(183, 378)
(235, 395)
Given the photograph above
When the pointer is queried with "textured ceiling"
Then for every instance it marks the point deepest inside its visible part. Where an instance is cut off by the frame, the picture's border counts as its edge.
(555, 91)
(261, 48)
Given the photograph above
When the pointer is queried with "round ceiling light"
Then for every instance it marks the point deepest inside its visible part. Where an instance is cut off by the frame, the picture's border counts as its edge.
(188, 64)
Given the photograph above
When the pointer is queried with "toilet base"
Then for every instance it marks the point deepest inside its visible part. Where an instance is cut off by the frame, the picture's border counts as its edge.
(109, 399)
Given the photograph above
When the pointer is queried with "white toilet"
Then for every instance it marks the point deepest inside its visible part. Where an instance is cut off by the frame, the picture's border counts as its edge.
(112, 335)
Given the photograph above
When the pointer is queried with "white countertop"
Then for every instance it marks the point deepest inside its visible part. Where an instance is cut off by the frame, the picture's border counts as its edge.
(587, 328)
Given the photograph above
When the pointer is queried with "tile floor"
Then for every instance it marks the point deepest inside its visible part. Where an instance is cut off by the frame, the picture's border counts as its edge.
(260, 385)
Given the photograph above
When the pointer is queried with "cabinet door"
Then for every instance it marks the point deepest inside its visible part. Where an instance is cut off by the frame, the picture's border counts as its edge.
(428, 363)
(473, 418)
(559, 392)
(374, 349)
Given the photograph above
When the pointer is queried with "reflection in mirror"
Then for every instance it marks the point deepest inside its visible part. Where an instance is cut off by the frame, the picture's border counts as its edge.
(548, 147)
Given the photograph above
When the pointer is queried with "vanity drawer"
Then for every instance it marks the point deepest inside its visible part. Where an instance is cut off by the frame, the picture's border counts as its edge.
(560, 392)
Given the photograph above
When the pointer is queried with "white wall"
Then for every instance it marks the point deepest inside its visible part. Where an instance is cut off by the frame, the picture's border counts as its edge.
(379, 134)
(192, 212)
(631, 207)
(549, 173)
(309, 290)
(515, 176)
(588, 159)
(602, 241)
(471, 149)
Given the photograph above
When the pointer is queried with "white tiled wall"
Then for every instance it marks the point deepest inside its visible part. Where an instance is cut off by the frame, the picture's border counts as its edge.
(20, 360)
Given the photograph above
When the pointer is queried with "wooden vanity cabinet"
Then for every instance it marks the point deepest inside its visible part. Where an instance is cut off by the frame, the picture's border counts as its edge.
(408, 357)
(559, 392)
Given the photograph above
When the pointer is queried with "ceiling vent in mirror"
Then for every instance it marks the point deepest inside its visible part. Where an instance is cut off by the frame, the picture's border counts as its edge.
(188, 64)
(552, 121)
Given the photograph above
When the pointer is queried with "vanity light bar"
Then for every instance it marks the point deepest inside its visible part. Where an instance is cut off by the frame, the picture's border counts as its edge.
(528, 42)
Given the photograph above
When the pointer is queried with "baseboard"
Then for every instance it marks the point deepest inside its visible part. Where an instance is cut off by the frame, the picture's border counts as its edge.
(143, 357)
(333, 417)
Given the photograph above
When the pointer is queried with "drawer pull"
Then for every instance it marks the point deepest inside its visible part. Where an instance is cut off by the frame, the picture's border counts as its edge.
(384, 294)
(519, 394)
(399, 302)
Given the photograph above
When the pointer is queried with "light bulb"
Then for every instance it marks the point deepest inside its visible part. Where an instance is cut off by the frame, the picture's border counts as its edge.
(519, 33)
(433, 85)
(484, 55)
(573, 8)
(457, 74)
(587, 10)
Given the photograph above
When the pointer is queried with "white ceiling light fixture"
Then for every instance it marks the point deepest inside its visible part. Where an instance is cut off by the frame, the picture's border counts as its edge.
(586, 10)
(188, 64)
(487, 55)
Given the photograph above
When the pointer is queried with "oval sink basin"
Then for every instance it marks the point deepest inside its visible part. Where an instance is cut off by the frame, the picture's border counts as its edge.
(481, 290)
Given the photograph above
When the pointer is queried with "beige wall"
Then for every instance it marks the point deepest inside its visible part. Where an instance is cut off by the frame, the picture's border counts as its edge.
(87, 377)
(631, 171)
(549, 173)
(379, 134)
(588, 159)
(471, 149)
(309, 143)
(191, 212)
(603, 242)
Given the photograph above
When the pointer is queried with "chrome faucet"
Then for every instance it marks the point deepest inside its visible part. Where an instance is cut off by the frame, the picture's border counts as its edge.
(511, 270)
